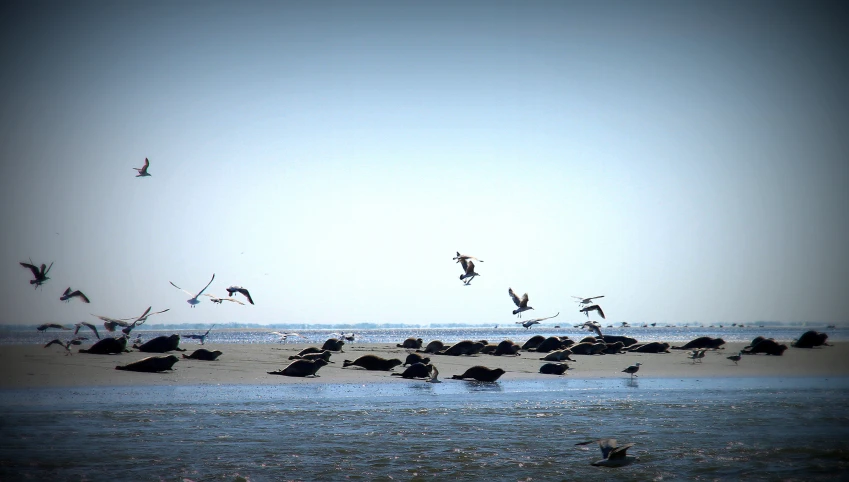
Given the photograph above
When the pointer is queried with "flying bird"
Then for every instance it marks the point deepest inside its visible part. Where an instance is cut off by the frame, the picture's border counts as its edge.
(64, 344)
(612, 456)
(632, 369)
(143, 170)
(202, 338)
(194, 298)
(238, 289)
(283, 336)
(593, 326)
(468, 271)
(586, 310)
(51, 325)
(39, 275)
(68, 294)
(111, 323)
(586, 301)
(535, 321)
(522, 304)
(88, 325)
(463, 257)
(217, 300)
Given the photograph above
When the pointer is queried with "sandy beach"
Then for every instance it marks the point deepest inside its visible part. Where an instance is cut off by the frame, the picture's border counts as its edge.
(32, 366)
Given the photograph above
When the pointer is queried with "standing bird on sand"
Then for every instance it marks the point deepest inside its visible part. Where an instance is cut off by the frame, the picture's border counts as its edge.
(194, 298)
(696, 355)
(586, 310)
(632, 369)
(521, 303)
(464, 257)
(735, 358)
(143, 170)
(585, 301)
(67, 295)
(40, 275)
(612, 456)
(468, 271)
(238, 289)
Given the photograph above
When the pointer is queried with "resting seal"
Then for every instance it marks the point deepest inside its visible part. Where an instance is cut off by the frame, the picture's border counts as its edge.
(481, 374)
(324, 355)
(465, 347)
(301, 368)
(161, 344)
(488, 349)
(554, 368)
(108, 346)
(416, 358)
(653, 347)
(588, 348)
(151, 364)
(373, 362)
(810, 339)
(507, 347)
(203, 354)
(411, 342)
(614, 348)
(701, 342)
(626, 340)
(433, 347)
(533, 342)
(558, 355)
(416, 370)
(333, 344)
(310, 349)
(550, 344)
(767, 345)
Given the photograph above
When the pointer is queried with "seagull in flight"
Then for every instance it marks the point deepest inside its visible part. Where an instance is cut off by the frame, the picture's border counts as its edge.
(67, 295)
(283, 336)
(51, 325)
(202, 338)
(65, 344)
(40, 275)
(522, 303)
(463, 257)
(612, 456)
(585, 301)
(238, 289)
(217, 300)
(143, 170)
(535, 321)
(111, 323)
(194, 298)
(468, 271)
(593, 326)
(586, 310)
(88, 325)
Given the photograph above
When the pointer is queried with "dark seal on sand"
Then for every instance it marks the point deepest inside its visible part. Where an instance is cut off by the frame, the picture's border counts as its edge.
(161, 344)
(481, 374)
(203, 354)
(533, 342)
(554, 368)
(151, 364)
(108, 346)
(465, 347)
(416, 370)
(810, 339)
(301, 368)
(416, 358)
(373, 362)
(414, 343)
(333, 344)
(507, 347)
(653, 347)
(701, 342)
(765, 345)
(324, 355)
(433, 347)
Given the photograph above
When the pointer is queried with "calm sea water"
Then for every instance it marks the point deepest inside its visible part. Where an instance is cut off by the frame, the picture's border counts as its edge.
(750, 429)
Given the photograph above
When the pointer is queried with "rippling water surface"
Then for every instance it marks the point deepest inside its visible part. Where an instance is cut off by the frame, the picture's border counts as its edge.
(764, 429)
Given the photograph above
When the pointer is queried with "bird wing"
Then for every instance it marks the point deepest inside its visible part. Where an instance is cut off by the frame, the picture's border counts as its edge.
(144, 315)
(81, 295)
(515, 298)
(207, 286)
(600, 313)
(210, 329)
(51, 342)
(245, 292)
(524, 301)
(234, 300)
(45, 271)
(537, 320)
(93, 328)
(32, 268)
(470, 268)
(158, 312)
(213, 297)
(464, 264)
(181, 289)
(618, 452)
(607, 446)
(146, 164)
(67, 292)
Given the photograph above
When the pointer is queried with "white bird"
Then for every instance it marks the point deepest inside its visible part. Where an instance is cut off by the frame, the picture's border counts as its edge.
(522, 304)
(696, 355)
(143, 170)
(238, 289)
(632, 369)
(612, 456)
(194, 298)
(468, 271)
(434, 375)
(535, 321)
(586, 301)
(463, 257)
(593, 326)
(217, 300)
(586, 310)
(283, 336)
(67, 295)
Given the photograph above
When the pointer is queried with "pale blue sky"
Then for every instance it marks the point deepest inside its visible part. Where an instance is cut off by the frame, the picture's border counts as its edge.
(686, 159)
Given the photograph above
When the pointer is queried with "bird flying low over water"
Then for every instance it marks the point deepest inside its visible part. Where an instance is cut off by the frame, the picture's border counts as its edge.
(68, 294)
(218, 300)
(238, 289)
(194, 298)
(143, 170)
(202, 338)
(65, 344)
(612, 456)
(586, 301)
(593, 326)
(535, 321)
(283, 336)
(111, 323)
(586, 310)
(522, 303)
(39, 274)
(463, 257)
(51, 325)
(468, 271)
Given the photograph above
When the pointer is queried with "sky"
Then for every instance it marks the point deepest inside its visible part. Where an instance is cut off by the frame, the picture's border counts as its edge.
(688, 160)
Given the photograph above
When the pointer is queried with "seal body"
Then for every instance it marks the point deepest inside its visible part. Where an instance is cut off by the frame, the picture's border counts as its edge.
(433, 347)
(653, 347)
(414, 343)
(161, 344)
(587, 348)
(108, 346)
(301, 368)
(810, 339)
(533, 342)
(465, 347)
(310, 349)
(203, 354)
(550, 344)
(507, 347)
(416, 370)
(558, 355)
(767, 345)
(614, 348)
(151, 364)
(324, 355)
(413, 358)
(332, 344)
(373, 362)
(481, 374)
(554, 368)
(702, 342)
(626, 340)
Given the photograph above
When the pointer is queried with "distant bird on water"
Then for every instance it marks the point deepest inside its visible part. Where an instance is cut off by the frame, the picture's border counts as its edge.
(194, 298)
(39, 274)
(535, 321)
(238, 289)
(217, 300)
(464, 257)
(586, 301)
(586, 310)
(68, 294)
(202, 338)
(143, 170)
(632, 369)
(522, 303)
(735, 358)
(468, 271)
(612, 456)
(51, 325)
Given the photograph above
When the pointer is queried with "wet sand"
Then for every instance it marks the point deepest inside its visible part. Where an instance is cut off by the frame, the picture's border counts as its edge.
(25, 366)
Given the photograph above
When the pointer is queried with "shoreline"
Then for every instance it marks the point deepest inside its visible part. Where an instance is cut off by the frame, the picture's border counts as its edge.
(32, 366)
